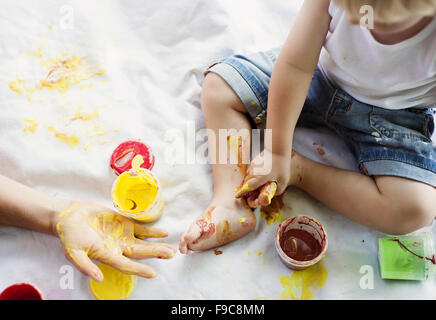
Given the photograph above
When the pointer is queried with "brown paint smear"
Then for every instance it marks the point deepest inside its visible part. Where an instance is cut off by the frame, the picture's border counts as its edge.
(224, 234)
(207, 228)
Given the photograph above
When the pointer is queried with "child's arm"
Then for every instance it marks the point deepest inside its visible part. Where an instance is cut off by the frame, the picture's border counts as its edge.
(289, 86)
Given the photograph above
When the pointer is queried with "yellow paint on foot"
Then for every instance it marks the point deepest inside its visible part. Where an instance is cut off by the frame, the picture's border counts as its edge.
(115, 286)
(31, 126)
(300, 285)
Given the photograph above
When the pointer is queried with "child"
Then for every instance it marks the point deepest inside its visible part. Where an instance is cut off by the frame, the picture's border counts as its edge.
(375, 87)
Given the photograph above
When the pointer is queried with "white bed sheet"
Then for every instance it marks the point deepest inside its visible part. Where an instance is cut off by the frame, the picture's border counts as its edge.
(153, 54)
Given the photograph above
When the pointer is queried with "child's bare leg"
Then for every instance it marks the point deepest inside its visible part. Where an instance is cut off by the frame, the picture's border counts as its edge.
(389, 204)
(226, 218)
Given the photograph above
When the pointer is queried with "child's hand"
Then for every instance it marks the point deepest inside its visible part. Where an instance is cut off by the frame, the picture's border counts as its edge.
(260, 188)
(90, 231)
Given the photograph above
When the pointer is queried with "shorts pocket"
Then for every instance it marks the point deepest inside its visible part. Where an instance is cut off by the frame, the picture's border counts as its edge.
(401, 125)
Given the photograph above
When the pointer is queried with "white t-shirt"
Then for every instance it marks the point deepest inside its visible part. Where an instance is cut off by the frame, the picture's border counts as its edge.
(396, 76)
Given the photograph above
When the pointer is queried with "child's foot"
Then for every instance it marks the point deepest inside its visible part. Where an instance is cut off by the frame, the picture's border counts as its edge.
(221, 223)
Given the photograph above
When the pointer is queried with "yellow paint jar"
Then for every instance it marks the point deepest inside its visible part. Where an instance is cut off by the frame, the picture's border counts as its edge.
(136, 194)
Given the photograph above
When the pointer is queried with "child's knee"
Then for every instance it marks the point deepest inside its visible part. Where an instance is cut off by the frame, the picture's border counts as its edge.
(411, 216)
(217, 95)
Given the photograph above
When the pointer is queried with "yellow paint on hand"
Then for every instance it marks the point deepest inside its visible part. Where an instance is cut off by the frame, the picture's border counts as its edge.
(300, 285)
(135, 191)
(71, 140)
(115, 286)
(244, 188)
(31, 126)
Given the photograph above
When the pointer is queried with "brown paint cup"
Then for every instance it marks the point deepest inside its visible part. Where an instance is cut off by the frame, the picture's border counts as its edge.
(311, 226)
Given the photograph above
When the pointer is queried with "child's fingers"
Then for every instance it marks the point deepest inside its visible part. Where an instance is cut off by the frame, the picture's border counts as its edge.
(128, 266)
(142, 232)
(142, 250)
(250, 184)
(267, 192)
(84, 264)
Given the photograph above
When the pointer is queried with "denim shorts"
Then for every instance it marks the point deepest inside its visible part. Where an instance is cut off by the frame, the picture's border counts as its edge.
(385, 142)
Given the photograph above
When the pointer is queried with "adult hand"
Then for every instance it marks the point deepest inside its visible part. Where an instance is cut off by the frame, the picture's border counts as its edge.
(90, 231)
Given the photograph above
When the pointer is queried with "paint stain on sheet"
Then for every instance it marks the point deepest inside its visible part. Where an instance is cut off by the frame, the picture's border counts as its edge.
(320, 151)
(71, 140)
(260, 255)
(31, 126)
(62, 72)
(75, 125)
(273, 213)
(65, 71)
(302, 284)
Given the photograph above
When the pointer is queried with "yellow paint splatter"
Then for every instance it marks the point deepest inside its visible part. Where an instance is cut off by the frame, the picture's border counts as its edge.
(300, 285)
(71, 140)
(19, 87)
(31, 126)
(249, 253)
(273, 213)
(260, 255)
(85, 116)
(63, 72)
(36, 53)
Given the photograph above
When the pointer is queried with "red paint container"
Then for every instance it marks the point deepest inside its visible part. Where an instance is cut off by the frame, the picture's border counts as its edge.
(301, 242)
(21, 291)
(121, 159)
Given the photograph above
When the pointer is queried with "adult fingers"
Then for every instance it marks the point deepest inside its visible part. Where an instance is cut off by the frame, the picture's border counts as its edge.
(142, 232)
(142, 249)
(128, 266)
(84, 264)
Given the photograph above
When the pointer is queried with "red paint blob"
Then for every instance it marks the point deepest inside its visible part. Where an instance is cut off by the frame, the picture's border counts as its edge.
(300, 245)
(121, 159)
(21, 291)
